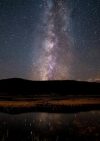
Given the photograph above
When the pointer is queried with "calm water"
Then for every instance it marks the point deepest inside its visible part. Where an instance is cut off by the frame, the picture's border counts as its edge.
(50, 126)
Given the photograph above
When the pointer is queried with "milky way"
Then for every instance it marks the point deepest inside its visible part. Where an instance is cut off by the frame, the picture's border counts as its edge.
(50, 39)
(55, 47)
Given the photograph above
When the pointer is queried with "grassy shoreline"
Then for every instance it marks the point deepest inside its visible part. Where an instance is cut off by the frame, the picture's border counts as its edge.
(50, 105)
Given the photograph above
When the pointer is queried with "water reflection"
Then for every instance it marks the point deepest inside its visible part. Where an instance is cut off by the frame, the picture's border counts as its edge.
(50, 126)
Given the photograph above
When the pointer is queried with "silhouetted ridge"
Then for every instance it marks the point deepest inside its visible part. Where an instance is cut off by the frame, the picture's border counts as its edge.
(67, 87)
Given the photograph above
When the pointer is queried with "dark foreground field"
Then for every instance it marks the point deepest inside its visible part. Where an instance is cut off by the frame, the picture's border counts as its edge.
(49, 111)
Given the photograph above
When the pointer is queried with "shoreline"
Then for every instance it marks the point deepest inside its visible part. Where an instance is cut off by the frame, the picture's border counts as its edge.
(70, 105)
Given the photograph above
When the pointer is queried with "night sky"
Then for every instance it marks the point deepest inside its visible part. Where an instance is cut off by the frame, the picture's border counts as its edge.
(50, 39)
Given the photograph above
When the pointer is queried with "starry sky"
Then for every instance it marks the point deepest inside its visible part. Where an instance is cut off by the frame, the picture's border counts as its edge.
(50, 39)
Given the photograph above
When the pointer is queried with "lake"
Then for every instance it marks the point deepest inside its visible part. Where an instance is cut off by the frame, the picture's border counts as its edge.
(50, 126)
